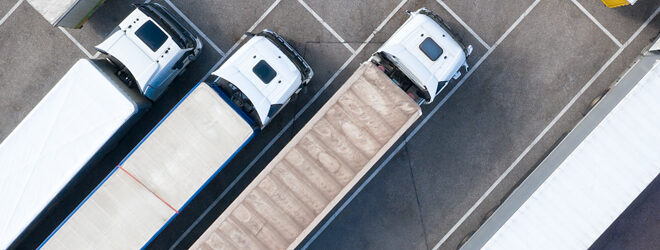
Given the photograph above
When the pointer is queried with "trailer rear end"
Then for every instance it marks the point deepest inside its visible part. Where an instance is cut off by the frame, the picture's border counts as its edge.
(320, 165)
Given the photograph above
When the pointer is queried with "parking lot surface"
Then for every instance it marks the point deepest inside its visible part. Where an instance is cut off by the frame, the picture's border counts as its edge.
(536, 66)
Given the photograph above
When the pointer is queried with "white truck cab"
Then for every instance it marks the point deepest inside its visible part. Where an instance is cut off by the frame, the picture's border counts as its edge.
(150, 48)
(262, 76)
(424, 54)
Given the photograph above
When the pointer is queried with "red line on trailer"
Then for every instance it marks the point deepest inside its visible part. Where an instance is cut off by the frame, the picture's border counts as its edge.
(145, 186)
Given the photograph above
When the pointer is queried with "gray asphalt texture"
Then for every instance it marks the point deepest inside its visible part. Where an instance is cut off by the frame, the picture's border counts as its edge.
(527, 78)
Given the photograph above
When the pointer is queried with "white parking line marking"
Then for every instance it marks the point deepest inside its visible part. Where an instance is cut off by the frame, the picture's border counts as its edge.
(73, 39)
(593, 19)
(240, 40)
(185, 18)
(545, 130)
(290, 123)
(467, 27)
(332, 31)
(13, 8)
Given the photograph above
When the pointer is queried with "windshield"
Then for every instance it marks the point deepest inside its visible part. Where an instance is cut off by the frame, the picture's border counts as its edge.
(151, 35)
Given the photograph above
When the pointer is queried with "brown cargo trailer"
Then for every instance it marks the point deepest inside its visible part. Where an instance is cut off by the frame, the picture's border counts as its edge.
(323, 162)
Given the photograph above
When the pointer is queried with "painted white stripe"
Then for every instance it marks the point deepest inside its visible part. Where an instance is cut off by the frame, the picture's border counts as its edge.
(593, 19)
(290, 123)
(13, 8)
(237, 43)
(185, 18)
(73, 39)
(544, 131)
(467, 27)
(332, 31)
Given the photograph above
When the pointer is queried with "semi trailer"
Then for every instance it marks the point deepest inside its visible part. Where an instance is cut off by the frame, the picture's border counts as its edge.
(66, 13)
(591, 177)
(187, 148)
(86, 112)
(343, 140)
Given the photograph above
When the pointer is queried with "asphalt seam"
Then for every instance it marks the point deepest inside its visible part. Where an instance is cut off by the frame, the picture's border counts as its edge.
(497, 43)
(327, 26)
(595, 21)
(419, 204)
(546, 129)
(11, 11)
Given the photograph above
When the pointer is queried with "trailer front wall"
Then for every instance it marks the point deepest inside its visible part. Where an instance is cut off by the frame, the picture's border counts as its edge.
(318, 167)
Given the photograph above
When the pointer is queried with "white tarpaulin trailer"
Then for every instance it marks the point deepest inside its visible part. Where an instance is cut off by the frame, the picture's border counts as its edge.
(592, 176)
(67, 130)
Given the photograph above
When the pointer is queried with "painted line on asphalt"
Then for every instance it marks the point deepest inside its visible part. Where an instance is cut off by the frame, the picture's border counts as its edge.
(332, 31)
(546, 129)
(593, 19)
(240, 40)
(11, 11)
(185, 18)
(467, 27)
(73, 39)
(290, 123)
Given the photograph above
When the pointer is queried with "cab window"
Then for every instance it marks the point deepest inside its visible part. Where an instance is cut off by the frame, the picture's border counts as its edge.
(264, 71)
(151, 35)
(431, 49)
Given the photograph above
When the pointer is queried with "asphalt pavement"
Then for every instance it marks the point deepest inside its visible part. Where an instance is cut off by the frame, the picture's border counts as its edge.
(536, 66)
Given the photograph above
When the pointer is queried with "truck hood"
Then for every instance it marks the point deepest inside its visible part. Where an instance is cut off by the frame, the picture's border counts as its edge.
(123, 48)
(404, 49)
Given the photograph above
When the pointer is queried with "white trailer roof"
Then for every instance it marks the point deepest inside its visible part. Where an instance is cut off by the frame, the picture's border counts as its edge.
(54, 141)
(159, 177)
(597, 180)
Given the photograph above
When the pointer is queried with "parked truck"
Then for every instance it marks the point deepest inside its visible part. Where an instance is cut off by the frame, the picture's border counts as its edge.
(597, 170)
(88, 109)
(343, 140)
(187, 148)
(66, 13)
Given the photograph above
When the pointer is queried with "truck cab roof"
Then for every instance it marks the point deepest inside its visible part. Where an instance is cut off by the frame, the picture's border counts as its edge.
(267, 75)
(149, 44)
(425, 51)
